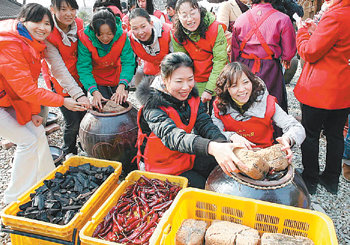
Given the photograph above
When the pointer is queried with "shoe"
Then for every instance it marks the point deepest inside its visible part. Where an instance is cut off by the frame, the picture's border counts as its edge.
(329, 185)
(311, 187)
(346, 172)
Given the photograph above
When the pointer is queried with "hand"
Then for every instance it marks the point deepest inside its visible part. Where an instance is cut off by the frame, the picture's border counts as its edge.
(206, 97)
(223, 153)
(236, 138)
(310, 25)
(285, 142)
(286, 64)
(84, 101)
(120, 95)
(97, 99)
(300, 23)
(73, 105)
(37, 120)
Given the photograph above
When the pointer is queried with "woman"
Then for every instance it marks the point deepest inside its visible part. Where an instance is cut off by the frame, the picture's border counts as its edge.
(259, 46)
(106, 62)
(149, 7)
(324, 91)
(150, 40)
(176, 136)
(244, 111)
(198, 34)
(21, 50)
(61, 56)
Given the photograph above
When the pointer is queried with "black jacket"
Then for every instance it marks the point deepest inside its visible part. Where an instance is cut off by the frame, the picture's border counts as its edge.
(157, 121)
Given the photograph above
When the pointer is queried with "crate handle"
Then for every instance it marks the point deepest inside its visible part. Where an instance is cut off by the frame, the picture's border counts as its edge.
(166, 232)
(45, 238)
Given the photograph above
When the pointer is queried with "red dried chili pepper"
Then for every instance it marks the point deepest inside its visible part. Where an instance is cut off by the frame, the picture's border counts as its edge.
(162, 205)
(133, 225)
(145, 237)
(111, 236)
(126, 208)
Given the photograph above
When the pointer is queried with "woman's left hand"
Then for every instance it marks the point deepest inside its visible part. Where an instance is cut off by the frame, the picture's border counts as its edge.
(120, 95)
(37, 120)
(206, 97)
(285, 141)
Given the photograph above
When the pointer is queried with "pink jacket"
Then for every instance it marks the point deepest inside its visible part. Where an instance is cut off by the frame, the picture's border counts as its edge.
(280, 39)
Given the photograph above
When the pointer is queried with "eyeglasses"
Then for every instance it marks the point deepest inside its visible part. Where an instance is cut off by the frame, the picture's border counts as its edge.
(191, 15)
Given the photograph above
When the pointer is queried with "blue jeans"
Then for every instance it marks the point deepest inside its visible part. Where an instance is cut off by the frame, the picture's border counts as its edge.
(346, 154)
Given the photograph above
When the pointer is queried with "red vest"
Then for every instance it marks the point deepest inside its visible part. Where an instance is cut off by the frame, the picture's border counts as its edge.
(69, 55)
(257, 130)
(201, 53)
(152, 63)
(255, 30)
(157, 157)
(106, 70)
(159, 14)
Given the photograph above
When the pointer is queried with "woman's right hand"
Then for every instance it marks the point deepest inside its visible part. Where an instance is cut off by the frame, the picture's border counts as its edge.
(236, 138)
(85, 102)
(97, 99)
(73, 105)
(223, 153)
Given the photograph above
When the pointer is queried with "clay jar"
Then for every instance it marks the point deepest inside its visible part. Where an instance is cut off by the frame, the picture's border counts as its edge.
(111, 135)
(288, 190)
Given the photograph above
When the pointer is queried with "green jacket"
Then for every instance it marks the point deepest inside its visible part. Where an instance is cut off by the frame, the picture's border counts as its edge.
(220, 57)
(84, 64)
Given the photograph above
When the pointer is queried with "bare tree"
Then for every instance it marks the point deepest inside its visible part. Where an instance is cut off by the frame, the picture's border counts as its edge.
(83, 2)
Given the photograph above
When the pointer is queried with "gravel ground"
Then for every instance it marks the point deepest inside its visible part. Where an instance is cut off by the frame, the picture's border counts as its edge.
(337, 207)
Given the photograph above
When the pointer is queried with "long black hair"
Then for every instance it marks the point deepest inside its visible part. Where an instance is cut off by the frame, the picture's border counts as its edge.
(34, 12)
(179, 29)
(229, 75)
(103, 16)
(106, 3)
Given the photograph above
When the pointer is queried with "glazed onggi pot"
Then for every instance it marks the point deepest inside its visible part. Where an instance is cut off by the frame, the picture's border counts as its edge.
(111, 135)
(289, 189)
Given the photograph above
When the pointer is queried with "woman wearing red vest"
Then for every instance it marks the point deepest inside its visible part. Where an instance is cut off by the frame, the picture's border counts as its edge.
(150, 41)
(260, 38)
(106, 62)
(61, 56)
(149, 7)
(176, 135)
(21, 51)
(244, 111)
(198, 34)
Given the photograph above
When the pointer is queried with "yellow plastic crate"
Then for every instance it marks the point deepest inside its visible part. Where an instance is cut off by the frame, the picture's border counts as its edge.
(62, 232)
(87, 231)
(264, 216)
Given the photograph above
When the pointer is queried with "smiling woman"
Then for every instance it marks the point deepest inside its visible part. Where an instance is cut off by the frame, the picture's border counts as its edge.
(176, 135)
(21, 51)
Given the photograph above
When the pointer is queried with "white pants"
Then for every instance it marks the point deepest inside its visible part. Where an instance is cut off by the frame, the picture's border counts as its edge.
(32, 159)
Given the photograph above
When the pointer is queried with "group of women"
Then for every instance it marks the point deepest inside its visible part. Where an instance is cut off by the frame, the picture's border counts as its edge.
(179, 92)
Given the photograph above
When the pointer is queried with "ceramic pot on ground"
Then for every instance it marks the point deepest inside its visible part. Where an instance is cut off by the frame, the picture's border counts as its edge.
(288, 190)
(110, 136)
